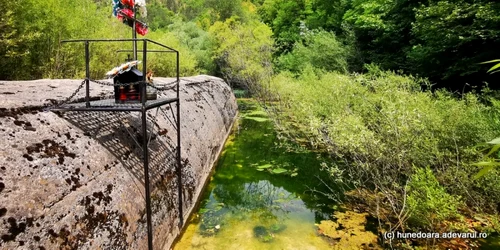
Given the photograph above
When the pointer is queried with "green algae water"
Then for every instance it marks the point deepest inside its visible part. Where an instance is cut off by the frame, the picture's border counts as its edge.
(260, 196)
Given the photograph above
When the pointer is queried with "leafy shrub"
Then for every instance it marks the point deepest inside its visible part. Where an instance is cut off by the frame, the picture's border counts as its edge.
(243, 52)
(31, 48)
(429, 204)
(382, 125)
(320, 49)
(163, 64)
(199, 43)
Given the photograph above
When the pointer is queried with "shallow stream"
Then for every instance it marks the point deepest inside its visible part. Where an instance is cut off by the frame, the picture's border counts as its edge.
(260, 196)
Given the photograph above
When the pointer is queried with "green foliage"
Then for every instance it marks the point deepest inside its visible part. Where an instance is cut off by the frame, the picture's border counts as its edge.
(34, 31)
(240, 93)
(382, 125)
(207, 12)
(383, 30)
(320, 49)
(326, 14)
(488, 178)
(159, 16)
(495, 67)
(284, 18)
(428, 203)
(441, 40)
(451, 37)
(225, 9)
(164, 64)
(243, 52)
(492, 158)
(198, 42)
(368, 14)
(288, 18)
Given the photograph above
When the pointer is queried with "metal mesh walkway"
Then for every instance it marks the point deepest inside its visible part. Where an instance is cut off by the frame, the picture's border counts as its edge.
(111, 105)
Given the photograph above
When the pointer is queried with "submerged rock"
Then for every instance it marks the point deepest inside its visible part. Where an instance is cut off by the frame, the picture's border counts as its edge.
(262, 234)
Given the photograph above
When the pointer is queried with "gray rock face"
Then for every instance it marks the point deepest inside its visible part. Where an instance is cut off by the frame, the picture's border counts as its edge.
(75, 180)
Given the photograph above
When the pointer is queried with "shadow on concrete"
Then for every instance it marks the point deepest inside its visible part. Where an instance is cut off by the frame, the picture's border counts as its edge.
(120, 133)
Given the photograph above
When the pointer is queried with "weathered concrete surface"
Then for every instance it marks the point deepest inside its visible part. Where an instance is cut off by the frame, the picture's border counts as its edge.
(75, 179)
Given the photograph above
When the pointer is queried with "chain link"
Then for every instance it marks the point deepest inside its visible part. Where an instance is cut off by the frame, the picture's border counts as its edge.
(118, 84)
(158, 87)
(162, 87)
(72, 95)
(47, 108)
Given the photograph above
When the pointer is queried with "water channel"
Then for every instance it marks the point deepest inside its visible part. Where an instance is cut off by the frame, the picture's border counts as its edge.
(261, 194)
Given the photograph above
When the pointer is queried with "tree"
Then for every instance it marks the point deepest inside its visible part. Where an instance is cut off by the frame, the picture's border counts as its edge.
(452, 37)
(243, 52)
(320, 49)
(284, 17)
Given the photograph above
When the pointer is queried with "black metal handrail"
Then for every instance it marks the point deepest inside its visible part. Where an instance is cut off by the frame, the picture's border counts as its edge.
(144, 67)
(154, 51)
(119, 40)
(143, 109)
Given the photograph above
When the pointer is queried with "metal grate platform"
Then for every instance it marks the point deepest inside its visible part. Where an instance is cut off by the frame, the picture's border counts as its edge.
(111, 105)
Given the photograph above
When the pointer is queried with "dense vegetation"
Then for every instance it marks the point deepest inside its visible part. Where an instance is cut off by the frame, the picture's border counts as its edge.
(358, 80)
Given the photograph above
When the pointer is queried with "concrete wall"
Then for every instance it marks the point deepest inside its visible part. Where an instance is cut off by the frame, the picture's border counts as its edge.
(75, 179)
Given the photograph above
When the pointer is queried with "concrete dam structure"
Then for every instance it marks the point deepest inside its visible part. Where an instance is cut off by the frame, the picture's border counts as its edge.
(75, 180)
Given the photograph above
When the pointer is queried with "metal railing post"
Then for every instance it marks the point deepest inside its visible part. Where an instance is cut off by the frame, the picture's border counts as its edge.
(134, 35)
(87, 74)
(144, 69)
(179, 164)
(145, 149)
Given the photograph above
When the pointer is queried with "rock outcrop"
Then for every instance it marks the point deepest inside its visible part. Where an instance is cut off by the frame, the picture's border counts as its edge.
(75, 180)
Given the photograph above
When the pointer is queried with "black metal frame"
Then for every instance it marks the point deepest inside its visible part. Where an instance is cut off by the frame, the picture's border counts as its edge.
(142, 107)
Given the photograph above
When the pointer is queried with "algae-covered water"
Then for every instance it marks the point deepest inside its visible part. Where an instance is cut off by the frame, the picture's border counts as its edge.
(260, 196)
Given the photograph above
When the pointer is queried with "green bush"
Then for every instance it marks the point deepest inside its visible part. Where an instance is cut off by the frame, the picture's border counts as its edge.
(32, 31)
(428, 203)
(382, 125)
(243, 52)
(320, 49)
(199, 43)
(163, 64)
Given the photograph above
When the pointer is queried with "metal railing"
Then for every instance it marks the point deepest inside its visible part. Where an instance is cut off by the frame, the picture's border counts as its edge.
(143, 110)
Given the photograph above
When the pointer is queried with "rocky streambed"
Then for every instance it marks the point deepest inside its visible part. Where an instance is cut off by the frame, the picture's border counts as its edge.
(75, 179)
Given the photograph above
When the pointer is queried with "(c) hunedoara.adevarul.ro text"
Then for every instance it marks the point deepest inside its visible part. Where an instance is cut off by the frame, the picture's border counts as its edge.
(427, 235)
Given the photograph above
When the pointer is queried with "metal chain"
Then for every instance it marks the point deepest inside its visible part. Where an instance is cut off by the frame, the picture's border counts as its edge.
(47, 108)
(158, 87)
(168, 83)
(162, 87)
(72, 95)
(118, 84)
